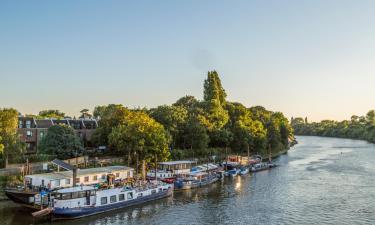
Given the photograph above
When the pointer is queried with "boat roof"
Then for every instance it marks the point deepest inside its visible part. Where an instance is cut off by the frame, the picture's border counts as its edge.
(177, 162)
(80, 172)
(75, 189)
(198, 173)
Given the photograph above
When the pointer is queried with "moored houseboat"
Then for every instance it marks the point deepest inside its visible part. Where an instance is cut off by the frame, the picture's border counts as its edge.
(168, 170)
(195, 180)
(32, 193)
(84, 201)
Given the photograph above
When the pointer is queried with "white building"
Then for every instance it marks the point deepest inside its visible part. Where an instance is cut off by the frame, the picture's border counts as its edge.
(84, 177)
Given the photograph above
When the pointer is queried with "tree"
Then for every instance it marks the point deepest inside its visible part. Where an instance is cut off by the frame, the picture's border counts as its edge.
(51, 113)
(62, 142)
(142, 136)
(214, 101)
(188, 102)
(173, 118)
(10, 144)
(195, 135)
(109, 116)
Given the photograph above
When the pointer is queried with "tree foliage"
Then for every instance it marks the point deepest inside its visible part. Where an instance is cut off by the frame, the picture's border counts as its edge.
(358, 127)
(62, 142)
(51, 113)
(10, 145)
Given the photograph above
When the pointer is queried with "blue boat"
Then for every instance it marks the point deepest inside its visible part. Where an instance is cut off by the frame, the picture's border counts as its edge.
(195, 180)
(76, 202)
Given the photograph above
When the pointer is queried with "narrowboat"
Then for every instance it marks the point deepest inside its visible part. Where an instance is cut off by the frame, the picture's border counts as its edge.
(76, 202)
(195, 180)
(168, 170)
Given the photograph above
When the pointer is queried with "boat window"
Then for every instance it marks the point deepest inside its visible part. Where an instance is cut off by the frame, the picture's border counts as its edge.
(113, 199)
(78, 180)
(86, 179)
(57, 183)
(153, 191)
(117, 174)
(121, 197)
(67, 181)
(66, 196)
(75, 195)
(95, 177)
(103, 200)
(140, 194)
(103, 176)
(82, 194)
(130, 195)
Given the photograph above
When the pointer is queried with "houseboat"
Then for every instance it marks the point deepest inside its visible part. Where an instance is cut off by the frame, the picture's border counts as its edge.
(195, 180)
(35, 184)
(168, 170)
(76, 202)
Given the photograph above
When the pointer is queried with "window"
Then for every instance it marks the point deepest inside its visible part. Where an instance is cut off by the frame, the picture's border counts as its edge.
(29, 133)
(95, 177)
(78, 180)
(129, 175)
(113, 199)
(130, 195)
(67, 181)
(86, 179)
(121, 197)
(41, 134)
(140, 194)
(117, 174)
(28, 124)
(153, 191)
(57, 183)
(103, 176)
(20, 124)
(103, 200)
(66, 196)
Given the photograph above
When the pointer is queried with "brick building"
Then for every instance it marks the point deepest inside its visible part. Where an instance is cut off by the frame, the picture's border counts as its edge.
(32, 130)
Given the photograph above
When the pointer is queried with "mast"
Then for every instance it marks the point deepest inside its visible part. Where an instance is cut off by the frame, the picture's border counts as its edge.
(156, 168)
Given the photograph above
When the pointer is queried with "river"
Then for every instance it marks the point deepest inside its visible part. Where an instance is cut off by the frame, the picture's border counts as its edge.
(319, 181)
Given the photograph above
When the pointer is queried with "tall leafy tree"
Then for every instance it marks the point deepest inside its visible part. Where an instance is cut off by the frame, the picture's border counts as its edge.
(62, 142)
(142, 136)
(109, 116)
(173, 118)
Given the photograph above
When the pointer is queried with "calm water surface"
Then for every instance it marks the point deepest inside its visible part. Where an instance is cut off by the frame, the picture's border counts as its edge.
(320, 181)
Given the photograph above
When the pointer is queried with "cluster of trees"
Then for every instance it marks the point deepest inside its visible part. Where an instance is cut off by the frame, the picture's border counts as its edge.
(192, 126)
(188, 127)
(10, 145)
(358, 127)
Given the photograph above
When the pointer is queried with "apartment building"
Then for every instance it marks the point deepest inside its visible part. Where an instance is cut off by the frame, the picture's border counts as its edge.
(32, 130)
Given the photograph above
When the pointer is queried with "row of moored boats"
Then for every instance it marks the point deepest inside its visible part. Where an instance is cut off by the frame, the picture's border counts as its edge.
(76, 193)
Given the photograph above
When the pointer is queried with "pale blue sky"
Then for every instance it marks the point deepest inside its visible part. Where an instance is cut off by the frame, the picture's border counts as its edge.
(304, 58)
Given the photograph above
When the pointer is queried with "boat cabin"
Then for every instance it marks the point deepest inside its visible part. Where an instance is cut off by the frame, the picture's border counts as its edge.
(89, 176)
(172, 168)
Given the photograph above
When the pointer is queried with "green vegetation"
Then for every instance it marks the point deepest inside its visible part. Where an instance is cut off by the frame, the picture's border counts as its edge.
(191, 128)
(62, 142)
(358, 127)
(11, 148)
(51, 113)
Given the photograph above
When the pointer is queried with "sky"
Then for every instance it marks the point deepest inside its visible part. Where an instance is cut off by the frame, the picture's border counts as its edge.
(303, 58)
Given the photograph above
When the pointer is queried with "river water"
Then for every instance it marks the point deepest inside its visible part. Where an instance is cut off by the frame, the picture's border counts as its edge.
(319, 181)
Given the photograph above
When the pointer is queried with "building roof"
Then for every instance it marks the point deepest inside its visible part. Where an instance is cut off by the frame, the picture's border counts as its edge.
(80, 172)
(177, 162)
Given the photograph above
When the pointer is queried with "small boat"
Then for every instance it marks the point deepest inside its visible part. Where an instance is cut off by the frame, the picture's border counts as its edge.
(233, 172)
(195, 180)
(244, 170)
(76, 202)
(262, 166)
